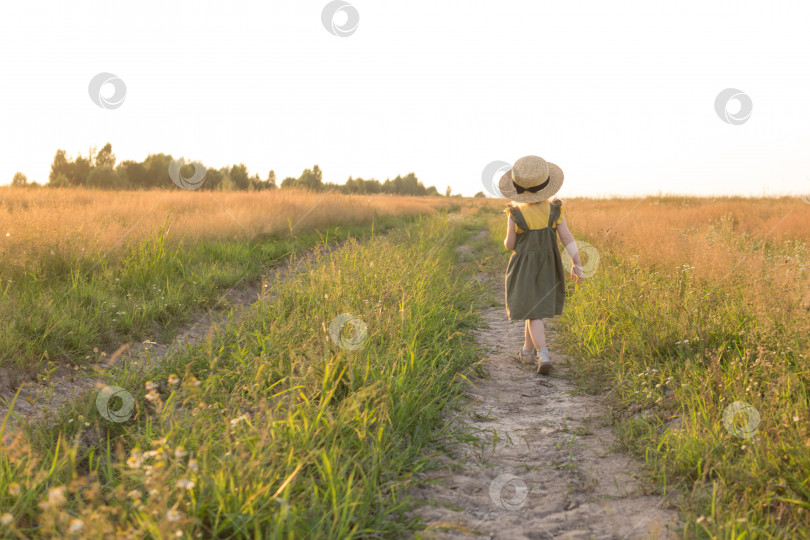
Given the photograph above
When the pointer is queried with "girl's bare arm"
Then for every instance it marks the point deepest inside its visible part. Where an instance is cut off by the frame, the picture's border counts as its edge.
(570, 244)
(511, 234)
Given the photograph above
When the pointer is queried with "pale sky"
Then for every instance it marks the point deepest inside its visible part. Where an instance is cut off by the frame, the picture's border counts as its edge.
(620, 95)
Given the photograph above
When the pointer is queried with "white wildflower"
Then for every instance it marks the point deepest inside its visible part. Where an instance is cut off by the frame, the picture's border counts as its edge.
(184, 484)
(56, 496)
(76, 525)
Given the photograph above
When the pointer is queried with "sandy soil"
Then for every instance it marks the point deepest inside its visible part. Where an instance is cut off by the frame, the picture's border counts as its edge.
(544, 464)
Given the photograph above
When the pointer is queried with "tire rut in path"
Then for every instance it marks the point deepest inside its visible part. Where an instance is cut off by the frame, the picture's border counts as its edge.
(39, 400)
(568, 479)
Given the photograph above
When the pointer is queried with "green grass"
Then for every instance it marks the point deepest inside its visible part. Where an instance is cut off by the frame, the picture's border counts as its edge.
(270, 429)
(61, 310)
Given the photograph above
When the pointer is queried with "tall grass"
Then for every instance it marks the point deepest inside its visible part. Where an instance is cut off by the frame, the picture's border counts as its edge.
(38, 227)
(85, 270)
(270, 429)
(697, 304)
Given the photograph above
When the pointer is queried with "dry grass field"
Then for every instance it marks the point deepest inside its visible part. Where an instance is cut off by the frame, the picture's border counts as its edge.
(82, 270)
(37, 223)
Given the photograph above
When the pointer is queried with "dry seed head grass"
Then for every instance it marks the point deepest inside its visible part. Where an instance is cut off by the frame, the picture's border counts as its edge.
(34, 222)
(713, 236)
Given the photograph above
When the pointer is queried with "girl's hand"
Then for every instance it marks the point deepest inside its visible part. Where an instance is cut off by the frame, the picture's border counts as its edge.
(576, 274)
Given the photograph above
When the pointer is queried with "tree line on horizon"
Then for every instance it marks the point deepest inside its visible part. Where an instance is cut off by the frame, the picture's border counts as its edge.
(99, 170)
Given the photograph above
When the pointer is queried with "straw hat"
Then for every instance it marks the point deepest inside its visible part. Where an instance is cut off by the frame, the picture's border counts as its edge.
(531, 179)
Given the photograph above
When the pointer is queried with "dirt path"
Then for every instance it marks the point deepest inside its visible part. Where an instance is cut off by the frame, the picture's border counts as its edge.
(40, 399)
(552, 471)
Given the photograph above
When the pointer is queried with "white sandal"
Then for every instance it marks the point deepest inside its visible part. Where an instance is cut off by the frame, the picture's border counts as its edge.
(525, 358)
(543, 363)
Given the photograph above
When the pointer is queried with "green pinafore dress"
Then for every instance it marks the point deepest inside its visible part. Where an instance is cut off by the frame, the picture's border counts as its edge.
(535, 280)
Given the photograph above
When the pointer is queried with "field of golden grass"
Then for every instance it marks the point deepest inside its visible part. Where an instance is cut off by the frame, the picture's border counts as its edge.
(68, 222)
(728, 238)
(82, 270)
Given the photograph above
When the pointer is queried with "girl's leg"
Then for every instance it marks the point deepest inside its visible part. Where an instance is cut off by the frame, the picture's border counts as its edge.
(537, 333)
(528, 344)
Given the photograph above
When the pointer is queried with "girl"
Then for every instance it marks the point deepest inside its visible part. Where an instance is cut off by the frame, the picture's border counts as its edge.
(535, 282)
